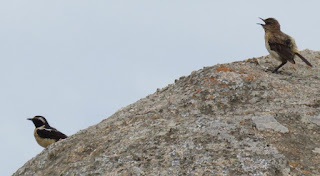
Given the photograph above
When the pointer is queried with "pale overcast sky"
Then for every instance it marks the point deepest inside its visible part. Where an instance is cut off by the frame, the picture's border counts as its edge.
(76, 62)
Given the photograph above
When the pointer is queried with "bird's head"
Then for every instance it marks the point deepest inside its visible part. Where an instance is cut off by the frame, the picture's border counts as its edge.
(39, 121)
(271, 24)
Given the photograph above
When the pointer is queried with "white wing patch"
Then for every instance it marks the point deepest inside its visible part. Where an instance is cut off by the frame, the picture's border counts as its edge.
(43, 128)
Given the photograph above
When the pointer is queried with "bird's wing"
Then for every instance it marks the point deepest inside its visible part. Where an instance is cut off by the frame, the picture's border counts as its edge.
(51, 133)
(283, 45)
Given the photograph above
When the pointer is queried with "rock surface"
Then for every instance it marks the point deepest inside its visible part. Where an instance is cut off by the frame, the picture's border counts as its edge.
(229, 119)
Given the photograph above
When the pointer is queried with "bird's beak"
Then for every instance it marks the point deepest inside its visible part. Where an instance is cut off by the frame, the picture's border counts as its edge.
(29, 118)
(260, 23)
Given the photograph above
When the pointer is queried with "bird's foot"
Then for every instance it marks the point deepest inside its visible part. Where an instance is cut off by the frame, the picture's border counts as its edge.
(272, 71)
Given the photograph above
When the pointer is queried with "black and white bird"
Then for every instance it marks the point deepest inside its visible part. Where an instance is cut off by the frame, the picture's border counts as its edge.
(44, 133)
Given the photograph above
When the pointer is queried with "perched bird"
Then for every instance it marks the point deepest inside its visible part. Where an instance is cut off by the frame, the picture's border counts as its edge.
(280, 45)
(44, 133)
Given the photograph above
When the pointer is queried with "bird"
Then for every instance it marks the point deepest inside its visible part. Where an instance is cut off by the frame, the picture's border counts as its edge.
(44, 133)
(280, 45)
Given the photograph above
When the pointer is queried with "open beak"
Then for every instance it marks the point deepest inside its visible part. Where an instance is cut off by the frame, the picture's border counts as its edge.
(260, 23)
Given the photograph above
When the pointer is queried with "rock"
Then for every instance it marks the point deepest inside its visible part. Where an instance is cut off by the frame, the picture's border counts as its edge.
(269, 122)
(311, 119)
(316, 150)
(228, 119)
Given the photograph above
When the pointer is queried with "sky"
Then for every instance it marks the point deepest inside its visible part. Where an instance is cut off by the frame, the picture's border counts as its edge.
(77, 62)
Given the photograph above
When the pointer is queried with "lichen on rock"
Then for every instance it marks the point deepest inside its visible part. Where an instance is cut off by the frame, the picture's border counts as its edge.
(228, 119)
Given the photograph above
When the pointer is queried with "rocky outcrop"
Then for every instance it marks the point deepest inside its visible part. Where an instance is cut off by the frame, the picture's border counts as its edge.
(229, 119)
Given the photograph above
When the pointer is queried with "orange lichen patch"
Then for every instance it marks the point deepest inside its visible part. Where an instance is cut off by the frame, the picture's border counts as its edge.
(242, 72)
(293, 68)
(250, 77)
(224, 69)
(253, 60)
(224, 85)
(293, 163)
(306, 172)
(211, 79)
(211, 97)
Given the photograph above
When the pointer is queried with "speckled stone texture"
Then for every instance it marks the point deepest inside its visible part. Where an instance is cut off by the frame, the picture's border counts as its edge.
(229, 119)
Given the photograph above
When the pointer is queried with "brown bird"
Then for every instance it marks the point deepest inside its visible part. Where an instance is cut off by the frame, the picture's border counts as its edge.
(44, 133)
(280, 45)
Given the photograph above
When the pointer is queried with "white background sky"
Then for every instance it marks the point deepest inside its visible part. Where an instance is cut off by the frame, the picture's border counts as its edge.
(77, 62)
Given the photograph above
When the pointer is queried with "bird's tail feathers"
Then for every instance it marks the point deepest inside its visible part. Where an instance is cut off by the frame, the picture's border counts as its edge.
(303, 59)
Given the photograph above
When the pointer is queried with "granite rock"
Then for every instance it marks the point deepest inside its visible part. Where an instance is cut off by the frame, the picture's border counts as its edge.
(227, 119)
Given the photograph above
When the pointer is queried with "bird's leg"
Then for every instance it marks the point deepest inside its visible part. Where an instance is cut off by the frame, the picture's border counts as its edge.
(282, 64)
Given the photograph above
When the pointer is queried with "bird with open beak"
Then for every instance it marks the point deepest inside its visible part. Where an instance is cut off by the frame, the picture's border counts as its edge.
(280, 45)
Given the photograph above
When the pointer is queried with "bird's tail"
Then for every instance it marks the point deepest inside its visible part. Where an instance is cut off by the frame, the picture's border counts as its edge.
(303, 59)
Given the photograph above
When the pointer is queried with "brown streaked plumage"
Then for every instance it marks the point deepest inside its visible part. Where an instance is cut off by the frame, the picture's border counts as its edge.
(280, 45)
(44, 133)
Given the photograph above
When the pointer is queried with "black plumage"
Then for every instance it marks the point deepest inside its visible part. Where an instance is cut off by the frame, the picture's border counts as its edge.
(44, 133)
